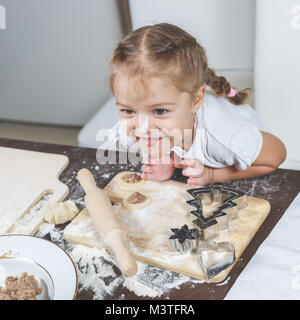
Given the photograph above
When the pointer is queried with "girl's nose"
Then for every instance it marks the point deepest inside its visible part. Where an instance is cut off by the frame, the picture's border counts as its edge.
(143, 122)
(143, 125)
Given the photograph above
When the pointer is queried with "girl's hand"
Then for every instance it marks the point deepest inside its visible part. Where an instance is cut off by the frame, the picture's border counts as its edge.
(199, 175)
(160, 169)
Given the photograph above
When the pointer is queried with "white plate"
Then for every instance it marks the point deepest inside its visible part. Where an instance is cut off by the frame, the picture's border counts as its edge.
(50, 264)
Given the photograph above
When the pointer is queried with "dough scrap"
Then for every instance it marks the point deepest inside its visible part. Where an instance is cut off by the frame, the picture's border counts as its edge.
(131, 181)
(136, 201)
(60, 212)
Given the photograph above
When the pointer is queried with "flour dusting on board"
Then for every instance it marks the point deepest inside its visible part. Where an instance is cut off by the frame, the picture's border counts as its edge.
(82, 228)
(24, 225)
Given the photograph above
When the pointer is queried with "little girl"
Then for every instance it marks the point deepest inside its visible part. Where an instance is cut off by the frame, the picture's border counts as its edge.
(159, 76)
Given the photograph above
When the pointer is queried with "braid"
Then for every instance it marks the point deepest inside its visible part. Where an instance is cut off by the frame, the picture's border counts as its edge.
(222, 87)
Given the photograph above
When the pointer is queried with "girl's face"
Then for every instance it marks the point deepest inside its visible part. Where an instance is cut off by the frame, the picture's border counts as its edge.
(158, 118)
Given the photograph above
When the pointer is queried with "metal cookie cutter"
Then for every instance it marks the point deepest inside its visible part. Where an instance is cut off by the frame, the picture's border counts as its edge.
(233, 198)
(184, 239)
(225, 212)
(215, 257)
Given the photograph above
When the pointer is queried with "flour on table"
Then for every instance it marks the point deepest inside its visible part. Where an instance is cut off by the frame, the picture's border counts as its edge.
(80, 228)
(97, 271)
(224, 282)
(49, 231)
(106, 175)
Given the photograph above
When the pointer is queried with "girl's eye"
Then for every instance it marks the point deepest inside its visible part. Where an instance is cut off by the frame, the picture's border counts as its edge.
(127, 112)
(160, 111)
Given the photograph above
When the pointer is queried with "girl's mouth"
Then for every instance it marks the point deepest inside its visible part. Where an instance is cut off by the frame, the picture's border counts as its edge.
(150, 142)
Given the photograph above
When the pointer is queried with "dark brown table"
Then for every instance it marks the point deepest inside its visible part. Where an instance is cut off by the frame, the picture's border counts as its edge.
(279, 188)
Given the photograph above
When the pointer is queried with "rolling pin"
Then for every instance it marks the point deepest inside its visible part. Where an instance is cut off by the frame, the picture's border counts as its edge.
(103, 216)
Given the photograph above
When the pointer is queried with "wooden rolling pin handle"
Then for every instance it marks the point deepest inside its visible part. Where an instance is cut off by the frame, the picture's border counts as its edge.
(86, 180)
(102, 214)
(116, 241)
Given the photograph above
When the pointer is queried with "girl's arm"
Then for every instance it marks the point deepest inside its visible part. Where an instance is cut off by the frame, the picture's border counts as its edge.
(272, 154)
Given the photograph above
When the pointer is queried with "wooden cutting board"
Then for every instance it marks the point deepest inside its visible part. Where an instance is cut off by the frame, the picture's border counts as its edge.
(149, 228)
(25, 178)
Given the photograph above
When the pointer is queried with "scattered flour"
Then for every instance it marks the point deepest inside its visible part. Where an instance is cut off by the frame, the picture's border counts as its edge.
(106, 175)
(80, 201)
(97, 271)
(140, 289)
(224, 282)
(266, 185)
(77, 229)
(50, 229)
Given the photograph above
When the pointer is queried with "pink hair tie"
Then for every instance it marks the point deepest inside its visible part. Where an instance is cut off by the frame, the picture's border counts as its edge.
(232, 93)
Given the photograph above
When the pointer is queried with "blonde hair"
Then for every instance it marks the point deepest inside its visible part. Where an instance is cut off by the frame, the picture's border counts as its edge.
(166, 50)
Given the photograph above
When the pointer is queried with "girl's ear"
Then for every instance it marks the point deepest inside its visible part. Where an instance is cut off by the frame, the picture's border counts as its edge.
(200, 93)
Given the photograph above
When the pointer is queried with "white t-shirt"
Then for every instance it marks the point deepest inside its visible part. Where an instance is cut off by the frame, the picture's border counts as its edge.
(224, 135)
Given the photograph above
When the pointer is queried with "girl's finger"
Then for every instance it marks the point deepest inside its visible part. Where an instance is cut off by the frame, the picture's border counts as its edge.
(148, 176)
(189, 162)
(192, 172)
(146, 169)
(195, 182)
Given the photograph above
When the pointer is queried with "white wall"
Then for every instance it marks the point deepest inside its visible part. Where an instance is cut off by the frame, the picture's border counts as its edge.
(54, 58)
(277, 72)
(224, 27)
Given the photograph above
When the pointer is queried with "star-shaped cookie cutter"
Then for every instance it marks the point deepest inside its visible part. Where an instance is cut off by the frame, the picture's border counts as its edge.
(231, 201)
(184, 239)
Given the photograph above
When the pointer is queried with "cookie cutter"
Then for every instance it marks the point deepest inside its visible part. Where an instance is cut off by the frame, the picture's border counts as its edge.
(184, 239)
(231, 202)
(215, 257)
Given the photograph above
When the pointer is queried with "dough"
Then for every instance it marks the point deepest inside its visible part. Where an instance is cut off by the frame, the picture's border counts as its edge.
(136, 201)
(131, 181)
(60, 212)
